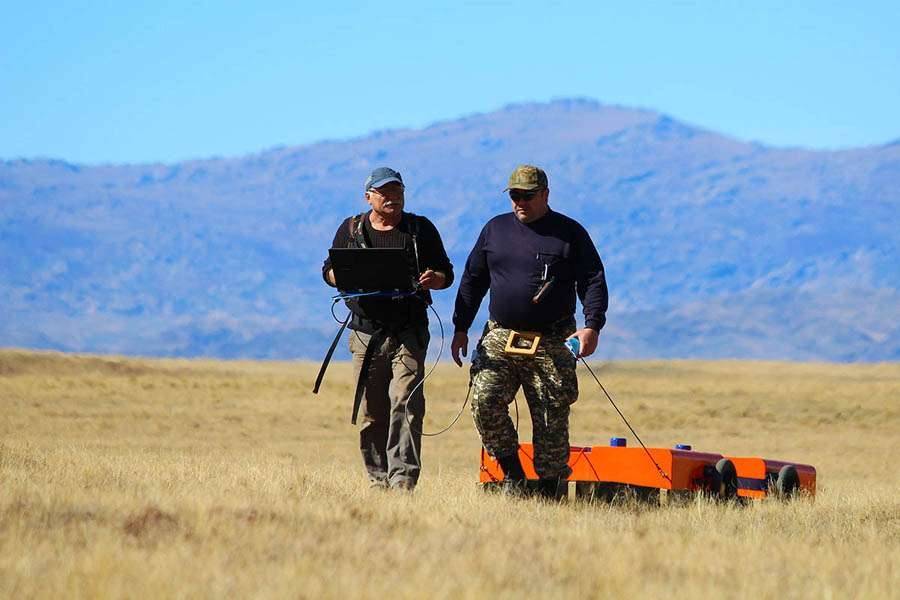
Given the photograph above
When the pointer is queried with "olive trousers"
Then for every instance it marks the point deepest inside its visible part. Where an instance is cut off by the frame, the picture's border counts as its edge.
(390, 437)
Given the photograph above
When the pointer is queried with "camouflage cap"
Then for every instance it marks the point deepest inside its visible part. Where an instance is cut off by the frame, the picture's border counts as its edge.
(527, 177)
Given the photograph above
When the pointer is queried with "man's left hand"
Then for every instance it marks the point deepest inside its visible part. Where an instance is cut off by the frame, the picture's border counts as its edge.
(587, 339)
(432, 280)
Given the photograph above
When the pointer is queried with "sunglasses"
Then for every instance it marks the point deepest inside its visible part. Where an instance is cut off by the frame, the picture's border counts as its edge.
(522, 196)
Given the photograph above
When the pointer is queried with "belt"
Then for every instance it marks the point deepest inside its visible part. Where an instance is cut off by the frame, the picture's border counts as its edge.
(563, 327)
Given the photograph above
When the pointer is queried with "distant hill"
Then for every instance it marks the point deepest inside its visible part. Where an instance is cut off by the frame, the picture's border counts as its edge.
(714, 247)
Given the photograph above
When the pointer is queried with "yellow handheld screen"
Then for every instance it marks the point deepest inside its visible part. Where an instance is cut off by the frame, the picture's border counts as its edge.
(523, 342)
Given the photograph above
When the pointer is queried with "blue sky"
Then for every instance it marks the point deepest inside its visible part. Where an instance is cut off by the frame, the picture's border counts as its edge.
(93, 82)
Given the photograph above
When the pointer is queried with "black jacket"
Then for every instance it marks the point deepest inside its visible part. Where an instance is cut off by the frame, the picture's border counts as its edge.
(370, 314)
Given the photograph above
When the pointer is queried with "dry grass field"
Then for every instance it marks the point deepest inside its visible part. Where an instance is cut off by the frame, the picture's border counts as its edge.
(168, 478)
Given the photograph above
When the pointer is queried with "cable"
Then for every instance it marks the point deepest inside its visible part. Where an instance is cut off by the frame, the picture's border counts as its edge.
(422, 382)
(339, 297)
(650, 456)
(350, 296)
(516, 402)
(334, 302)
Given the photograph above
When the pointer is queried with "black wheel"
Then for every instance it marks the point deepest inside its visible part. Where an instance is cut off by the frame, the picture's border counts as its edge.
(728, 481)
(788, 481)
(710, 482)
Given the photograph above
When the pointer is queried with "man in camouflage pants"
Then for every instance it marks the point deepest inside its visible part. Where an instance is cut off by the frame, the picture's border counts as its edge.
(534, 261)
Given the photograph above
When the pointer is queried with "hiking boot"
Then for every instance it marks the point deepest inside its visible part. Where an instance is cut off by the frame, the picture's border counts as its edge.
(512, 466)
(514, 483)
(514, 488)
(548, 488)
(403, 485)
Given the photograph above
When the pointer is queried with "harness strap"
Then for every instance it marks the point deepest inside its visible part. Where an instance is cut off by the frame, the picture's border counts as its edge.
(357, 230)
(328, 355)
(374, 342)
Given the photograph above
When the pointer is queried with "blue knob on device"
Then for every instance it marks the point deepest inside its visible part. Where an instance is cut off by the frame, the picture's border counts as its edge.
(574, 346)
(618, 442)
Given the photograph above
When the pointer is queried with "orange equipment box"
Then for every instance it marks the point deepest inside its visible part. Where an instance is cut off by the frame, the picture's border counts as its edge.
(681, 469)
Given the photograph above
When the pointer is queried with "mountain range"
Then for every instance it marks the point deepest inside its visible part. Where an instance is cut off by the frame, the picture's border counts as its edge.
(714, 247)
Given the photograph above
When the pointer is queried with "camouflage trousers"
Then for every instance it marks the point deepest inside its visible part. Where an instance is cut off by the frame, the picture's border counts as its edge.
(549, 383)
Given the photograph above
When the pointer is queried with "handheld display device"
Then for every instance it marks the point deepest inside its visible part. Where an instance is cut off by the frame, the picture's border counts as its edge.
(522, 342)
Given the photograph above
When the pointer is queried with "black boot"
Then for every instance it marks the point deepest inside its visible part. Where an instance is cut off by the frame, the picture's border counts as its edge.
(513, 474)
(548, 488)
(512, 466)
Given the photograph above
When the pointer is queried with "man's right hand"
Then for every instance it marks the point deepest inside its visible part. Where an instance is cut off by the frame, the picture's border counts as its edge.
(460, 342)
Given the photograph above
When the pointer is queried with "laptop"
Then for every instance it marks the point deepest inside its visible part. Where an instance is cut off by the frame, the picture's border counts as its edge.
(371, 269)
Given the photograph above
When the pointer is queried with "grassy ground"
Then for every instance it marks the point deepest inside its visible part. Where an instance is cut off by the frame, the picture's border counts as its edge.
(143, 478)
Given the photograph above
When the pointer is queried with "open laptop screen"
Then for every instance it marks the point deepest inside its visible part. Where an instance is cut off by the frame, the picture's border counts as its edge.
(371, 269)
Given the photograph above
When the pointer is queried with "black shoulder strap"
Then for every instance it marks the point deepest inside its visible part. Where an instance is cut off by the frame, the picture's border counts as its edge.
(356, 226)
(328, 356)
(374, 343)
(413, 225)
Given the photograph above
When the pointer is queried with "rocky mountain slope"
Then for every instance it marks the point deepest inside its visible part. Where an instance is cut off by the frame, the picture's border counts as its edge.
(713, 247)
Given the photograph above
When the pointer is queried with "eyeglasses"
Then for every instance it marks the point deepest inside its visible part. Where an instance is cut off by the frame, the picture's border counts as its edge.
(522, 195)
(388, 190)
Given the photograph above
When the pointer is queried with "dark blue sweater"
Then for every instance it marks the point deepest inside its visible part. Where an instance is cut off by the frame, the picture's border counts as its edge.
(514, 260)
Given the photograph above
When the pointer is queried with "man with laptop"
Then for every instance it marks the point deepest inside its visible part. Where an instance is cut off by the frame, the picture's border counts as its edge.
(396, 257)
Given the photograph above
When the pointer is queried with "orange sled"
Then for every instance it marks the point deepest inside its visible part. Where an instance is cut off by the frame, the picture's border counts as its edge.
(604, 472)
